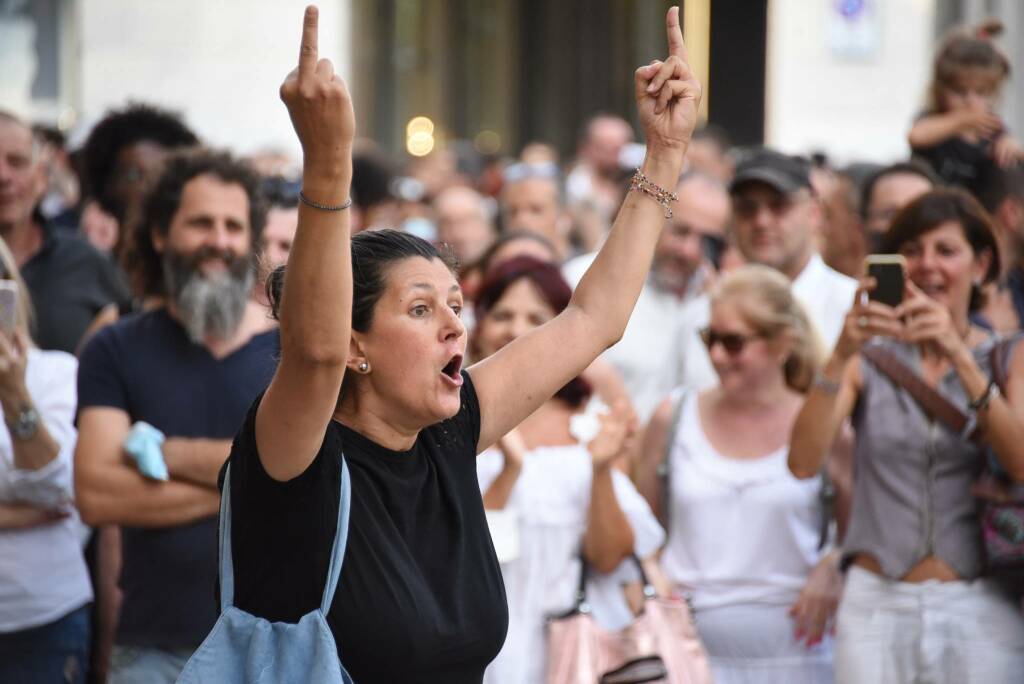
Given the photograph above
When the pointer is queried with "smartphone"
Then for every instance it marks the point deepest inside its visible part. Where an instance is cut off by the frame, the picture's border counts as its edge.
(888, 271)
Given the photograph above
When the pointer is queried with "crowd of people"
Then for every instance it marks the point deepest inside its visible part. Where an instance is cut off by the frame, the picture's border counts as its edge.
(675, 376)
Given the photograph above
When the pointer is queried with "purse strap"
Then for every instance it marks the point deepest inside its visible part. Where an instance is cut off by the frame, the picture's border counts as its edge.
(999, 360)
(665, 465)
(227, 570)
(931, 402)
(582, 606)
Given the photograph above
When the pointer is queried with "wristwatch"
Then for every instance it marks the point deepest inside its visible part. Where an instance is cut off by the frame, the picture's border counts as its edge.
(25, 424)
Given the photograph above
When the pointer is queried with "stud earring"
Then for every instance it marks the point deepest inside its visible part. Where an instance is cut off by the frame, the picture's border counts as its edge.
(364, 367)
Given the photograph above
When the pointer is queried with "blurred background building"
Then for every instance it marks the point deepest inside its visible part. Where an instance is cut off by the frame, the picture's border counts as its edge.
(498, 73)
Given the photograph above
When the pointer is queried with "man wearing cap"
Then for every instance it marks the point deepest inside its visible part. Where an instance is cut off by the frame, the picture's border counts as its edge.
(776, 217)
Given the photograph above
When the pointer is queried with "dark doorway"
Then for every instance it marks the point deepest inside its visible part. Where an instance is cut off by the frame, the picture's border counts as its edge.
(739, 30)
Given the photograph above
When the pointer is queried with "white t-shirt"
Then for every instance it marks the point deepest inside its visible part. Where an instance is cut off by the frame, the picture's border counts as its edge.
(826, 295)
(550, 502)
(647, 357)
(42, 572)
(740, 531)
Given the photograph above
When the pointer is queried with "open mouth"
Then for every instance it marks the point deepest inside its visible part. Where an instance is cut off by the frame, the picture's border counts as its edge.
(453, 370)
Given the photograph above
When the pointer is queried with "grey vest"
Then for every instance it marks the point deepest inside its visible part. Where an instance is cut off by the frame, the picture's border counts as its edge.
(913, 476)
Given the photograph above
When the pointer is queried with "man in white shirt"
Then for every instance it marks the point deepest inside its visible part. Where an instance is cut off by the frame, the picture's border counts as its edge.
(776, 218)
(647, 356)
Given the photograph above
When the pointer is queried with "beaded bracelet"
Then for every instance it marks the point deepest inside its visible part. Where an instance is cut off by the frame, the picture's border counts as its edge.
(324, 207)
(659, 194)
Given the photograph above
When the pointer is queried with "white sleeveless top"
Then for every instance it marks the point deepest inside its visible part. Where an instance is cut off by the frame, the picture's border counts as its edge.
(550, 503)
(740, 531)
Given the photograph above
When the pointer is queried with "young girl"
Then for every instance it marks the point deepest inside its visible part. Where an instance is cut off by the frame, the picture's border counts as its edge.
(959, 134)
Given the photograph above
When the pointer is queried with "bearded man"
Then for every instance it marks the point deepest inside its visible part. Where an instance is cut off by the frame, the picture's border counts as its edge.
(161, 394)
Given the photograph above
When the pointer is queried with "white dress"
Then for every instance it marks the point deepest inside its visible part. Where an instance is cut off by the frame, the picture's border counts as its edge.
(743, 535)
(549, 505)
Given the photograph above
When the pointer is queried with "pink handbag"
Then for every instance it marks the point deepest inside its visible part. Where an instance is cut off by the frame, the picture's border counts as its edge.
(660, 646)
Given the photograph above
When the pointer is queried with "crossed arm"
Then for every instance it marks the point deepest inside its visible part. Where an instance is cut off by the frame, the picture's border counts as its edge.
(111, 491)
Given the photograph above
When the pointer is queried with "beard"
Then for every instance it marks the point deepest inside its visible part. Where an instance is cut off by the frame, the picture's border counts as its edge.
(209, 305)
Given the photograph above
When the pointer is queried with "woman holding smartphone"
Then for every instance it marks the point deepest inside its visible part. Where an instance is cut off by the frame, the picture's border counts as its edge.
(916, 607)
(44, 584)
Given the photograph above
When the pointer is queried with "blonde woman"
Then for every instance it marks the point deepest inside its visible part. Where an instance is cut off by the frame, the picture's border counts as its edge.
(743, 533)
(44, 585)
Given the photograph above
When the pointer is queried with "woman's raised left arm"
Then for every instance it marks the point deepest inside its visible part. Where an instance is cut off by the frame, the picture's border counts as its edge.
(515, 381)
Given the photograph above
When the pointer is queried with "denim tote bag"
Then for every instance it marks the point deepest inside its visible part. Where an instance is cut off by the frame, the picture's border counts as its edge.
(245, 649)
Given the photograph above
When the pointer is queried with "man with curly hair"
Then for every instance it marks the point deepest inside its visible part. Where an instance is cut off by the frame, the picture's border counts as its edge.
(161, 393)
(124, 148)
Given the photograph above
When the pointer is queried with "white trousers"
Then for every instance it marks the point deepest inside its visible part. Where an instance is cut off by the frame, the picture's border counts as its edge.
(892, 632)
(755, 644)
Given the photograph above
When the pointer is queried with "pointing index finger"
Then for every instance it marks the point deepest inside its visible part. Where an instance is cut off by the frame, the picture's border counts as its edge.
(308, 52)
(676, 46)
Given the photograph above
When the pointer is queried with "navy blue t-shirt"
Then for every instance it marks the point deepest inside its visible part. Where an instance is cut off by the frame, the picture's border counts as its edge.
(420, 598)
(70, 282)
(147, 366)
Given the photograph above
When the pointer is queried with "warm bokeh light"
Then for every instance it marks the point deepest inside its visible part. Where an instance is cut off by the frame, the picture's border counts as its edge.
(420, 144)
(419, 124)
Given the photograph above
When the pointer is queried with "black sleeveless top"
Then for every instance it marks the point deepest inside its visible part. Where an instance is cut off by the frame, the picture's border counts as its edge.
(421, 598)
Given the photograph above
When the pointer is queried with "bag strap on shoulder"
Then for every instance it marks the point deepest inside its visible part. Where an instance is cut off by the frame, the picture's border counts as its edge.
(227, 571)
(665, 465)
(931, 402)
(999, 360)
(340, 539)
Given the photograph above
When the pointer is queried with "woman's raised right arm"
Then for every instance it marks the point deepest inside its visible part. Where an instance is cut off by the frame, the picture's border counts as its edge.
(817, 425)
(316, 304)
(832, 397)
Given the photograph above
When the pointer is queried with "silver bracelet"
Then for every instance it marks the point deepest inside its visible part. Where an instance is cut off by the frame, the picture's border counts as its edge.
(825, 385)
(981, 403)
(324, 207)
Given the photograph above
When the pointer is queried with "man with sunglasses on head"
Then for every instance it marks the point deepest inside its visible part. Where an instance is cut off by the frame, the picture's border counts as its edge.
(686, 260)
(533, 201)
(776, 217)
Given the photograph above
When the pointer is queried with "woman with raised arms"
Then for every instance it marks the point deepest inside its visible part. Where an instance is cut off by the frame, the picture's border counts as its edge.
(371, 367)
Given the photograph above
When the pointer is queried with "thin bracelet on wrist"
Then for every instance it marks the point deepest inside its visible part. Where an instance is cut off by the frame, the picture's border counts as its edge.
(825, 385)
(643, 184)
(982, 402)
(324, 207)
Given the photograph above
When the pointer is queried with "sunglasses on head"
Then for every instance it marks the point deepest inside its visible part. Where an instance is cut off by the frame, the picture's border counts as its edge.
(732, 343)
(525, 170)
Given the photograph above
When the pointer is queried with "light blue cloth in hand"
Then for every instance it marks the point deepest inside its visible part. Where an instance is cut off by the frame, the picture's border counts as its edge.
(143, 443)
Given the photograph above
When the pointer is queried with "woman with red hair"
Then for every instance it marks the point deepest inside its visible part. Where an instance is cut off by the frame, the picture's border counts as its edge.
(550, 489)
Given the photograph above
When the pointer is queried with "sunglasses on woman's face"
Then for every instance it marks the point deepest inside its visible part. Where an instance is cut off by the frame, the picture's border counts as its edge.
(733, 343)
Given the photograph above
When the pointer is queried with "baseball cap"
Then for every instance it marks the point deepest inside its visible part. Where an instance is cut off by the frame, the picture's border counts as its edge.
(784, 173)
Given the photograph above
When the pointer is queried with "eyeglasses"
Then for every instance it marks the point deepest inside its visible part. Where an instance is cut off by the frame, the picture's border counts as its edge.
(733, 343)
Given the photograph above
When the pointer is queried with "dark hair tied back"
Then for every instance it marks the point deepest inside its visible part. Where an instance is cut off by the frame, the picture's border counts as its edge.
(373, 253)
